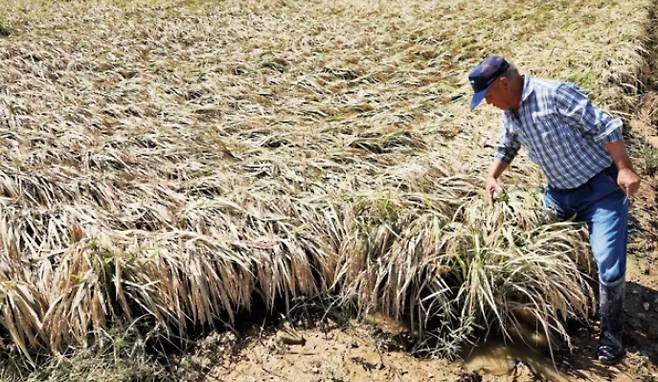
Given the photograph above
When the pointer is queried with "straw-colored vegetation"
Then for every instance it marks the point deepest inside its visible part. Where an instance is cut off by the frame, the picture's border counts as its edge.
(169, 163)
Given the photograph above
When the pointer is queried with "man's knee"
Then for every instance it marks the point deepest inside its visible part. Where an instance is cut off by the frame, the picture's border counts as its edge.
(612, 274)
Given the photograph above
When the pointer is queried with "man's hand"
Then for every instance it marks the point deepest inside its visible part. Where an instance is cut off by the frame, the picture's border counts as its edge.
(628, 181)
(491, 188)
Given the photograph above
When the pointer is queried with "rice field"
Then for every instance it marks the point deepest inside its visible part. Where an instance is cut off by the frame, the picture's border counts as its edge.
(172, 162)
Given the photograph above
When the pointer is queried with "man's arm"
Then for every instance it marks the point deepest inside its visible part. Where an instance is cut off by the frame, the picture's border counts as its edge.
(507, 149)
(575, 107)
(627, 179)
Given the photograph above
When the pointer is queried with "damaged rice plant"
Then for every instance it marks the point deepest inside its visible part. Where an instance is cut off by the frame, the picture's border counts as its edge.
(151, 172)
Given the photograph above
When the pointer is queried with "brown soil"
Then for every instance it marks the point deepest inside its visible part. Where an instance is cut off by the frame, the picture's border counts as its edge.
(331, 354)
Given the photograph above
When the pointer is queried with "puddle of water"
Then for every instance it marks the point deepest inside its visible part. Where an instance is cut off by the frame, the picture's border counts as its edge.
(496, 358)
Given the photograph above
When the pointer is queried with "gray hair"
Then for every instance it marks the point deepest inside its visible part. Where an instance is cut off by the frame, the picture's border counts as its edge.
(511, 72)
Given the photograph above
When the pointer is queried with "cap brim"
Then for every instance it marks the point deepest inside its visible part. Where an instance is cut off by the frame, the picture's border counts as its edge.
(478, 97)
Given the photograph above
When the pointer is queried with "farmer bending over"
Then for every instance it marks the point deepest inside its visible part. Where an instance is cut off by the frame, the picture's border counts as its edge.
(581, 151)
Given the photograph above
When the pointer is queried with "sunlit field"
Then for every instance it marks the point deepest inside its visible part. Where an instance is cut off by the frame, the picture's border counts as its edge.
(171, 164)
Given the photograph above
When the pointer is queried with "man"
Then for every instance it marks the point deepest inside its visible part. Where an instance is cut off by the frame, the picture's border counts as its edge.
(590, 177)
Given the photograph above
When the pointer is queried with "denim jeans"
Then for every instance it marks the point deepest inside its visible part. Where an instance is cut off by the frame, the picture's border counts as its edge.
(604, 207)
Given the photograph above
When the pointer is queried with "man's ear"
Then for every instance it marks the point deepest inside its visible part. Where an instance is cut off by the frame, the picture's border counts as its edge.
(504, 83)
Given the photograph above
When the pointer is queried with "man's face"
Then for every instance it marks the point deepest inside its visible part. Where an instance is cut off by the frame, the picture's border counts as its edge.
(499, 95)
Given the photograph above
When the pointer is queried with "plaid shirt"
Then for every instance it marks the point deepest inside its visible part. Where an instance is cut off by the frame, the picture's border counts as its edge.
(565, 134)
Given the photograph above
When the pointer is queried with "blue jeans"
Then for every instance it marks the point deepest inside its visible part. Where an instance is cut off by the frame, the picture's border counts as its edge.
(604, 207)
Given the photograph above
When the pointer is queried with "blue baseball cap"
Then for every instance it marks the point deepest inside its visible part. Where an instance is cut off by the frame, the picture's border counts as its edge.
(484, 74)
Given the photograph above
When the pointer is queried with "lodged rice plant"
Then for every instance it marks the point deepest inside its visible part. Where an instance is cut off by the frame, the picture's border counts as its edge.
(449, 262)
(471, 265)
(171, 164)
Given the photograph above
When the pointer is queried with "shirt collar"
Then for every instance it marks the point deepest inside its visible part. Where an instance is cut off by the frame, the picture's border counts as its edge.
(527, 87)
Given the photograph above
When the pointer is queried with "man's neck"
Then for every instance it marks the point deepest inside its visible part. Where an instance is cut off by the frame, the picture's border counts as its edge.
(519, 92)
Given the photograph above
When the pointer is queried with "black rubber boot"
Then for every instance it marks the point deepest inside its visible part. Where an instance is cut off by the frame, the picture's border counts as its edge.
(611, 350)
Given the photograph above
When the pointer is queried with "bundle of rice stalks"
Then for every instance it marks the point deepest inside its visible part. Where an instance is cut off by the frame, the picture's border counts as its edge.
(454, 270)
(80, 294)
(535, 271)
(22, 306)
(198, 286)
(21, 311)
(266, 249)
(369, 270)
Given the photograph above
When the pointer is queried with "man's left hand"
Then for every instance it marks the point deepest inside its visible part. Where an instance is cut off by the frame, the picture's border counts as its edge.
(628, 181)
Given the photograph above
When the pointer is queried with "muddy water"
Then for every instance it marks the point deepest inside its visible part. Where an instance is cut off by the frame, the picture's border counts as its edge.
(494, 357)
(498, 359)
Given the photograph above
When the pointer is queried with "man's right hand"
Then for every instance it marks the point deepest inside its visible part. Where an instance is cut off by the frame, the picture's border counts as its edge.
(491, 188)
